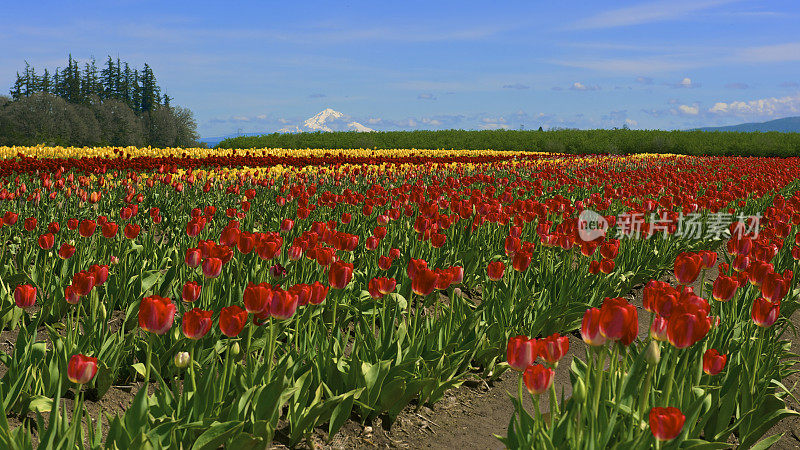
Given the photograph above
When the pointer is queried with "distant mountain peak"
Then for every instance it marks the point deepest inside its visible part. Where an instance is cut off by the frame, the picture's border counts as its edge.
(784, 125)
(328, 120)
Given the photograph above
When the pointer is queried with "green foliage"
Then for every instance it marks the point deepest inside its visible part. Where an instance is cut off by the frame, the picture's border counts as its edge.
(555, 141)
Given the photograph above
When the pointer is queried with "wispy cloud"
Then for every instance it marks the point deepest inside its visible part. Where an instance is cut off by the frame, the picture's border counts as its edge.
(737, 86)
(786, 52)
(426, 96)
(317, 95)
(644, 80)
(518, 86)
(646, 13)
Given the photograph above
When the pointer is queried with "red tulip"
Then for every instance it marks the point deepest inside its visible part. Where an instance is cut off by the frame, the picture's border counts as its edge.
(83, 282)
(619, 320)
(46, 241)
(666, 423)
(71, 296)
(590, 328)
(53, 227)
(607, 266)
(10, 218)
(287, 225)
(765, 312)
(318, 293)
(109, 230)
(684, 329)
(212, 267)
(283, 305)
(66, 251)
(757, 271)
(193, 257)
(72, 224)
(775, 287)
(414, 266)
(25, 296)
(30, 224)
(424, 281)
(713, 362)
(384, 263)
(190, 292)
(724, 288)
(232, 320)
(340, 274)
(537, 378)
(196, 323)
(87, 228)
(156, 314)
(658, 330)
(100, 273)
(521, 261)
(131, 231)
(81, 369)
(553, 348)
(303, 293)
(687, 267)
(495, 270)
(521, 352)
(257, 298)
(709, 258)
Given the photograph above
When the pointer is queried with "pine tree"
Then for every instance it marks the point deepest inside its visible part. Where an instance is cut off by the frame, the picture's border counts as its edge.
(127, 80)
(150, 91)
(167, 99)
(136, 92)
(44, 82)
(107, 77)
(16, 89)
(31, 81)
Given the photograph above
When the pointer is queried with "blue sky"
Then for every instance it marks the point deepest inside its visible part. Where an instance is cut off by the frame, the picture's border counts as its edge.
(257, 66)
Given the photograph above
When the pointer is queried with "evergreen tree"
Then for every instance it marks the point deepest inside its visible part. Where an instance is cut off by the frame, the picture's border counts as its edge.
(136, 92)
(127, 80)
(107, 78)
(150, 91)
(44, 82)
(31, 81)
(16, 89)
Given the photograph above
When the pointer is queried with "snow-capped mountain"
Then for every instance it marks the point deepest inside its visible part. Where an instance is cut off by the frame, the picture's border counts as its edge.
(326, 120)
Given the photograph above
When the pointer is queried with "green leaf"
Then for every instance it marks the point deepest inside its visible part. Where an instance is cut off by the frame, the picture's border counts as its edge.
(216, 435)
(767, 443)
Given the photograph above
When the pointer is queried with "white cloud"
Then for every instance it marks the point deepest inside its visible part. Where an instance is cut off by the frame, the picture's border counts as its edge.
(631, 123)
(646, 13)
(426, 96)
(578, 86)
(689, 110)
(764, 107)
(685, 83)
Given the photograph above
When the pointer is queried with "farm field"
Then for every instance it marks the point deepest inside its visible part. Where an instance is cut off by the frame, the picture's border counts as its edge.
(205, 298)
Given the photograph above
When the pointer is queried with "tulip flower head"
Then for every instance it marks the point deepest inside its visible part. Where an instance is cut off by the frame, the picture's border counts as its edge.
(666, 423)
(156, 314)
(81, 369)
(537, 378)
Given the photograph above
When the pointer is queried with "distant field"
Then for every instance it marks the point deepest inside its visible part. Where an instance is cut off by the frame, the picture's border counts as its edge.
(558, 141)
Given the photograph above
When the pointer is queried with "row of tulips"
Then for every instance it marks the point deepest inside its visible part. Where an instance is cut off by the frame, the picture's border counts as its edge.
(707, 374)
(336, 292)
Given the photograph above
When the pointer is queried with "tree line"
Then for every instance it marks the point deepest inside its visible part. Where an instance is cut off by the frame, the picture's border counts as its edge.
(617, 141)
(115, 105)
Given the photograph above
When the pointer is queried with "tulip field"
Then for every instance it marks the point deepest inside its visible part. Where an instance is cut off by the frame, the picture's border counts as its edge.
(257, 297)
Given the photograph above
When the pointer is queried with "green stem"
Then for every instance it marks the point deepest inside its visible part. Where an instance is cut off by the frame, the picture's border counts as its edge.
(670, 382)
(191, 366)
(271, 344)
